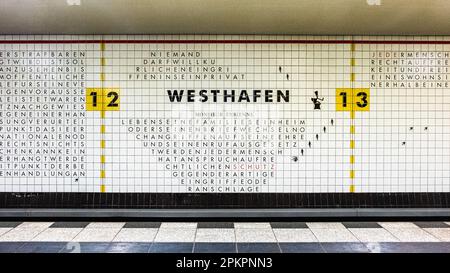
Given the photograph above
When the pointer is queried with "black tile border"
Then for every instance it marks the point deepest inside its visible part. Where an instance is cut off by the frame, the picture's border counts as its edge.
(142, 225)
(288, 225)
(427, 224)
(215, 225)
(361, 225)
(74, 224)
(224, 200)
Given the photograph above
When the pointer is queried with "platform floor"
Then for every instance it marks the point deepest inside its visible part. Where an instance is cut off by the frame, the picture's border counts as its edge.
(225, 237)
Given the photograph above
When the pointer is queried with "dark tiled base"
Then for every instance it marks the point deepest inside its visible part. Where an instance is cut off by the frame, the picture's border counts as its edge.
(361, 225)
(215, 248)
(142, 225)
(159, 200)
(301, 248)
(70, 225)
(288, 225)
(258, 248)
(215, 225)
(171, 248)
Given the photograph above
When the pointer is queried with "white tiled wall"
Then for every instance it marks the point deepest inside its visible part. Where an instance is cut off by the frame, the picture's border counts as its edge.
(401, 145)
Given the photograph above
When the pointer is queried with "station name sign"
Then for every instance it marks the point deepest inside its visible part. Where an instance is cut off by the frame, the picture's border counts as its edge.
(203, 95)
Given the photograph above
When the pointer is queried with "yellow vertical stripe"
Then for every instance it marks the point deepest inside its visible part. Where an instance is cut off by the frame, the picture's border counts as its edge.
(352, 127)
(102, 115)
(352, 114)
(352, 188)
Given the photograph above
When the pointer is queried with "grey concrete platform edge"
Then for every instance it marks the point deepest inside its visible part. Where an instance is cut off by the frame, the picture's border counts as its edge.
(224, 213)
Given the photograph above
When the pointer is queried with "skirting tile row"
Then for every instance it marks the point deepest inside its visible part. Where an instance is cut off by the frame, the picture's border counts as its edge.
(68, 247)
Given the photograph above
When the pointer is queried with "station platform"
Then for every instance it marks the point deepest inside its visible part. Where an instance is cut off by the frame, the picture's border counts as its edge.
(225, 237)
